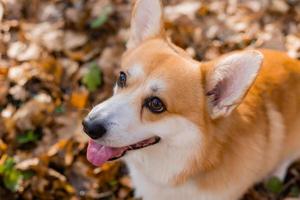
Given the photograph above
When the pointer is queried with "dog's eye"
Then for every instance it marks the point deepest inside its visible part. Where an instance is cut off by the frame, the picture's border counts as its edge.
(155, 105)
(122, 80)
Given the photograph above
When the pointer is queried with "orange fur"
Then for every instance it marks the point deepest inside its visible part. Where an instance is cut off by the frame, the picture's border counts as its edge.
(241, 143)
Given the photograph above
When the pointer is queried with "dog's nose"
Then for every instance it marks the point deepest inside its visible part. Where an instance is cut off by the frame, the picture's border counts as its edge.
(93, 128)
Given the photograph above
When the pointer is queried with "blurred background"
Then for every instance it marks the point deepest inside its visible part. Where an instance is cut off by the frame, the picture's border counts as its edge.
(58, 58)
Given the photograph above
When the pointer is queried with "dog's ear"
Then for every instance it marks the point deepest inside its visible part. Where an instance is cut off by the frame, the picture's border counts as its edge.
(229, 80)
(146, 21)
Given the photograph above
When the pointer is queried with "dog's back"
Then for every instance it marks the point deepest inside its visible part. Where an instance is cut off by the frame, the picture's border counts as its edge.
(279, 84)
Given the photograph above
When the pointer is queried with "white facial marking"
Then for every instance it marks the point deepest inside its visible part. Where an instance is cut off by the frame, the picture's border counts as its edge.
(156, 85)
(121, 118)
(180, 140)
(115, 90)
(136, 71)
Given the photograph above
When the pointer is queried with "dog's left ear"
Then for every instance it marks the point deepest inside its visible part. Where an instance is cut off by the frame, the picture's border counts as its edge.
(229, 80)
(146, 22)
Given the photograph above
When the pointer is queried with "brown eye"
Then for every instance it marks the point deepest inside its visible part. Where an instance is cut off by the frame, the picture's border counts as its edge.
(122, 80)
(155, 105)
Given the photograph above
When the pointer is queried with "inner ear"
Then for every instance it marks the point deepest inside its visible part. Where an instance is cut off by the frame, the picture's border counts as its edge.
(215, 93)
(229, 80)
(146, 21)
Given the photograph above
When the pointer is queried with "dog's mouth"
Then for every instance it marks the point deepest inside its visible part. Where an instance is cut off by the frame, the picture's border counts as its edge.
(98, 154)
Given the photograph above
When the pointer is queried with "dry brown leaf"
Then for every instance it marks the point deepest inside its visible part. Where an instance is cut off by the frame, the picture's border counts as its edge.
(45, 34)
(27, 164)
(17, 92)
(73, 40)
(54, 149)
(4, 85)
(3, 146)
(22, 73)
(51, 67)
(3, 71)
(69, 156)
(6, 115)
(24, 52)
(280, 6)
(50, 12)
(34, 113)
(185, 8)
(57, 175)
(75, 55)
(79, 98)
(70, 67)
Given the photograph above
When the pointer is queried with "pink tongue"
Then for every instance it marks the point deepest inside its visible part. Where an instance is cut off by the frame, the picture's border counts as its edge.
(98, 154)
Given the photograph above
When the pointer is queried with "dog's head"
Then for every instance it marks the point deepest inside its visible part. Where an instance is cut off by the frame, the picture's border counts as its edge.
(164, 98)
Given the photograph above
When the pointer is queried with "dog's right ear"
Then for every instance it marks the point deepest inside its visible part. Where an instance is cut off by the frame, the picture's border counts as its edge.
(229, 80)
(146, 22)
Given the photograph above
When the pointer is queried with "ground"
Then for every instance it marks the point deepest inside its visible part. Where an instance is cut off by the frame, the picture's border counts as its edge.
(58, 58)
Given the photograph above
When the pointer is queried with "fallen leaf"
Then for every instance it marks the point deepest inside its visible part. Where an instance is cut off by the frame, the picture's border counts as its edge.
(274, 185)
(17, 92)
(57, 175)
(20, 74)
(70, 67)
(11, 176)
(56, 147)
(3, 146)
(46, 34)
(34, 113)
(92, 79)
(30, 136)
(102, 18)
(73, 40)
(3, 70)
(50, 12)
(69, 157)
(27, 164)
(4, 87)
(185, 8)
(280, 6)
(24, 52)
(79, 98)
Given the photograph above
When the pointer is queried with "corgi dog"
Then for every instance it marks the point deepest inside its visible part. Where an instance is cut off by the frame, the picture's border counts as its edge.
(196, 130)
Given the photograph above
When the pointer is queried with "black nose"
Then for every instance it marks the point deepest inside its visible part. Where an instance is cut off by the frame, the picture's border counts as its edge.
(93, 128)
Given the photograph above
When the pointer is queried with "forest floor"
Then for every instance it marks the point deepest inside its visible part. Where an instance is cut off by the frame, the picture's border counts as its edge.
(58, 58)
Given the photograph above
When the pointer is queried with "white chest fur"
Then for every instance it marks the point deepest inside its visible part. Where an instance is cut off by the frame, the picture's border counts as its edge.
(152, 175)
(149, 190)
(154, 168)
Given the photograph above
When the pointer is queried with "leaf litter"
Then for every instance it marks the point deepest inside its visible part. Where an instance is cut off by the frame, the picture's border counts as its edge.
(60, 58)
